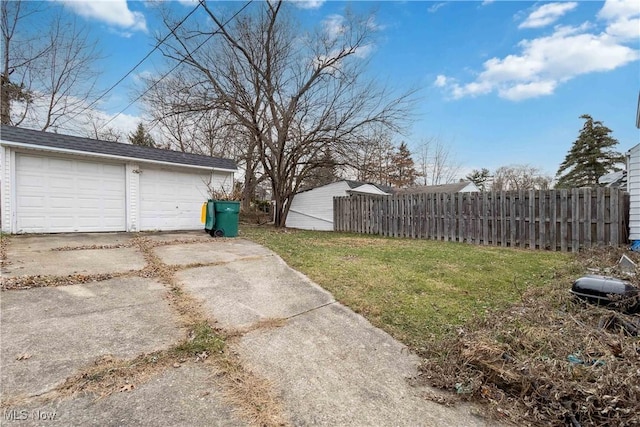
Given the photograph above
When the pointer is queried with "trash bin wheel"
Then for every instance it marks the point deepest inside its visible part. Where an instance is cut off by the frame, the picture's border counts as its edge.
(219, 233)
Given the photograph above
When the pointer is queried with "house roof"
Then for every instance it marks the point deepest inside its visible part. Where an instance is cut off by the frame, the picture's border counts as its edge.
(355, 184)
(614, 179)
(59, 142)
(444, 188)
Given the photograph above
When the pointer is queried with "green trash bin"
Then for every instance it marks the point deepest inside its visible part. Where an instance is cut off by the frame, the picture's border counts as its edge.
(226, 218)
(210, 219)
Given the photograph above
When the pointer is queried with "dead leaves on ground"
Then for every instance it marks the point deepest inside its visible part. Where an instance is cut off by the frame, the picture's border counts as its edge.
(38, 281)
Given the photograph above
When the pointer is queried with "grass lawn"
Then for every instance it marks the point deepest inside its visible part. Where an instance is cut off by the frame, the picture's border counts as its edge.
(416, 290)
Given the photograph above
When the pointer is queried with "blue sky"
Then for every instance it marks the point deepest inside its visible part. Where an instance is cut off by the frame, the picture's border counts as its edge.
(501, 82)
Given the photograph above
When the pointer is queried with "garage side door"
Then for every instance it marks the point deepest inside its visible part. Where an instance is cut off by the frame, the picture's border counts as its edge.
(171, 199)
(57, 194)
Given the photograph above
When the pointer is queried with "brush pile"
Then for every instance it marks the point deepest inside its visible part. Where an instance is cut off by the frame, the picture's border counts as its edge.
(551, 359)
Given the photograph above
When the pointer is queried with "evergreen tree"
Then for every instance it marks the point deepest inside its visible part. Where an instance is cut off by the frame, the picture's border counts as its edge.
(480, 178)
(323, 174)
(141, 137)
(403, 171)
(590, 157)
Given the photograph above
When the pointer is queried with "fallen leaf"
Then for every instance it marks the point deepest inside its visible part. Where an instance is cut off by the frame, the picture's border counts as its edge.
(127, 387)
(24, 356)
(176, 365)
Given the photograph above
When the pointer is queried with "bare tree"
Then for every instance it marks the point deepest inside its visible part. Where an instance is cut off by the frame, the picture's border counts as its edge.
(436, 163)
(373, 162)
(47, 70)
(296, 96)
(185, 125)
(96, 128)
(520, 177)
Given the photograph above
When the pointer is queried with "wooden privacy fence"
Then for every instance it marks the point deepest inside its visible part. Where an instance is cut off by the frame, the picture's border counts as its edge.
(565, 220)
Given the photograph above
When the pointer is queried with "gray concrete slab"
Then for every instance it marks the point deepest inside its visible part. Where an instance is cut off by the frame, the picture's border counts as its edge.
(45, 242)
(331, 367)
(169, 236)
(62, 263)
(241, 293)
(65, 328)
(186, 396)
(211, 251)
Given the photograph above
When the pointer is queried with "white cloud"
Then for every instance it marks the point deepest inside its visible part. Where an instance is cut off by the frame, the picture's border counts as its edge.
(441, 81)
(435, 7)
(487, 2)
(528, 90)
(627, 29)
(622, 17)
(543, 64)
(364, 50)
(334, 26)
(547, 14)
(308, 4)
(113, 12)
(614, 9)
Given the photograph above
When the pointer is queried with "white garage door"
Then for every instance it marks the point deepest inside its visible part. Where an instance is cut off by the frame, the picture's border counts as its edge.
(57, 194)
(171, 199)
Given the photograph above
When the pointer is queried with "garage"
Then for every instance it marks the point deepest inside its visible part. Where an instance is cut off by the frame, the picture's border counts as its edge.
(53, 183)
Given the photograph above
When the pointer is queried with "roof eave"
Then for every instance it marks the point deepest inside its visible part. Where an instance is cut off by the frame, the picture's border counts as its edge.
(108, 156)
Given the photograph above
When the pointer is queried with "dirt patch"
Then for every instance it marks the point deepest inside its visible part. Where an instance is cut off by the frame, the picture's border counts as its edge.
(549, 360)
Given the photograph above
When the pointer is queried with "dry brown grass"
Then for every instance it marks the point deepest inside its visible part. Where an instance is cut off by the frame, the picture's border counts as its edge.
(548, 360)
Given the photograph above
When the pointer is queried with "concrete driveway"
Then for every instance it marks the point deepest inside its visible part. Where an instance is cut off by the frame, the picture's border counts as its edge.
(77, 309)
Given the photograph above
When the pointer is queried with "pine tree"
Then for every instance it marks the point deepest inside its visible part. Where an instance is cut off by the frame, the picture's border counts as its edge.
(403, 171)
(141, 137)
(480, 178)
(590, 157)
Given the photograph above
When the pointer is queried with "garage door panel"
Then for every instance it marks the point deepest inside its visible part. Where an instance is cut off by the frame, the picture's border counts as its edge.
(62, 195)
(171, 199)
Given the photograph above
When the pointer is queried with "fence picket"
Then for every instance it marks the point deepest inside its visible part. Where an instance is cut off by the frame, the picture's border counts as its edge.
(566, 220)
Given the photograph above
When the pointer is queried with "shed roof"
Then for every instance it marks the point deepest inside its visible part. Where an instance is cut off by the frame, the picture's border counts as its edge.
(56, 141)
(355, 184)
(443, 188)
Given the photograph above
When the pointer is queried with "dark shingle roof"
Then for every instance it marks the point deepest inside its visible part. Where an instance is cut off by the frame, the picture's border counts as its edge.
(68, 142)
(443, 188)
(354, 184)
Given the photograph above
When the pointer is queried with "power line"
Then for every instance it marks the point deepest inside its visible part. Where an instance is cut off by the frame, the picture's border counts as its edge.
(158, 44)
(220, 27)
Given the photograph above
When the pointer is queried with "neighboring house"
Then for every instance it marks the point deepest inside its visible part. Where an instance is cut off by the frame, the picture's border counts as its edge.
(457, 187)
(614, 180)
(633, 187)
(54, 183)
(313, 209)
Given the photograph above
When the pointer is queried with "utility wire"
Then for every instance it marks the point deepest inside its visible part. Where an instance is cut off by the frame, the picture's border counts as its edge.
(220, 27)
(156, 47)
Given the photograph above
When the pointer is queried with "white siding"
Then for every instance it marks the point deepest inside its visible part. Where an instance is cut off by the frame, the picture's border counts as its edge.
(633, 186)
(5, 190)
(42, 191)
(133, 196)
(367, 189)
(469, 188)
(313, 209)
